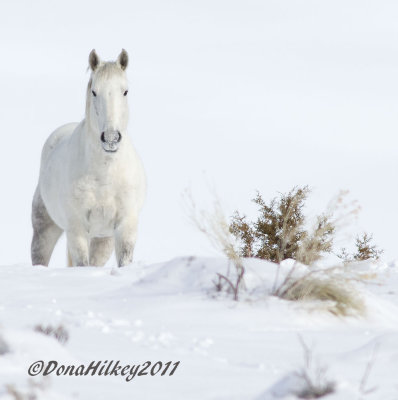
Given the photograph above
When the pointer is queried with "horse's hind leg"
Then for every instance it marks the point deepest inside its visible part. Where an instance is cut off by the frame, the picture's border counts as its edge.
(100, 250)
(45, 232)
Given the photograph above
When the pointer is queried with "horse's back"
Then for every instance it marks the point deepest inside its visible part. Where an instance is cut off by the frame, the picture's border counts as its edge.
(58, 136)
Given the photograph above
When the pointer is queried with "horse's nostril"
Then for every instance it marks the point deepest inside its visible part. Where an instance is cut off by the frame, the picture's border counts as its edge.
(111, 137)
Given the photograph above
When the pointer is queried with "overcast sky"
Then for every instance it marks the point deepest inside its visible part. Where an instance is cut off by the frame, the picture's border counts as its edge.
(239, 95)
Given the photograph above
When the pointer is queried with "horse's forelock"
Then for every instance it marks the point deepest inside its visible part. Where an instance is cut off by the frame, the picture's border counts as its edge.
(108, 70)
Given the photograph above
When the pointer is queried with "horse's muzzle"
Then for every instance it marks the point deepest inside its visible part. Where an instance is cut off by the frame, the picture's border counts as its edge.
(110, 140)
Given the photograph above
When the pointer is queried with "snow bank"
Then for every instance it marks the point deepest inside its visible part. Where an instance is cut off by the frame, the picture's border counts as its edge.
(172, 312)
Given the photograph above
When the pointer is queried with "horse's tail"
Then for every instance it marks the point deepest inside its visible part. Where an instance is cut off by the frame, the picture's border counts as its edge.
(69, 258)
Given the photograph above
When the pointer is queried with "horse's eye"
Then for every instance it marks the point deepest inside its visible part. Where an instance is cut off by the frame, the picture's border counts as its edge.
(125, 93)
(94, 94)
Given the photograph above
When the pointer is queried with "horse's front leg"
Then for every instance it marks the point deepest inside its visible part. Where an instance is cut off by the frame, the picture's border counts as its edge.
(78, 246)
(125, 237)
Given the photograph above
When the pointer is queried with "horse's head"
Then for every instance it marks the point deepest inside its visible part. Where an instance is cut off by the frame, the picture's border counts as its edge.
(106, 107)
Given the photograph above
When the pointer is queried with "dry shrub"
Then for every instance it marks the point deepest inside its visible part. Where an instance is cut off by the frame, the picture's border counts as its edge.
(365, 250)
(316, 383)
(59, 332)
(16, 394)
(318, 241)
(35, 390)
(280, 232)
(215, 227)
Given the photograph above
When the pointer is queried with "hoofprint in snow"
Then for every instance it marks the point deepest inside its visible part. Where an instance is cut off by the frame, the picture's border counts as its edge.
(171, 312)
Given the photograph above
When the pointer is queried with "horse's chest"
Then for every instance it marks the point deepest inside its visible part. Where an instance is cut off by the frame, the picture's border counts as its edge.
(99, 207)
(103, 211)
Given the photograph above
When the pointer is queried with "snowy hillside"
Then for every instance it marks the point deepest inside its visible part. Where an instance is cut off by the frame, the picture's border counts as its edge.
(171, 312)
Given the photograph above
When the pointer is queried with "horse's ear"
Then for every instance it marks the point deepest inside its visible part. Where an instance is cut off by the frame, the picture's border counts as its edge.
(93, 60)
(123, 59)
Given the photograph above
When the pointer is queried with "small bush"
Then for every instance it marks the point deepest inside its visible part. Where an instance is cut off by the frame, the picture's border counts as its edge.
(59, 333)
(316, 383)
(279, 233)
(365, 250)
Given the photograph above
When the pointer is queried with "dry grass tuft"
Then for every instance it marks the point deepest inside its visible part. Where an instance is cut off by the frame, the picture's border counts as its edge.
(337, 293)
(35, 390)
(60, 333)
(314, 376)
(215, 227)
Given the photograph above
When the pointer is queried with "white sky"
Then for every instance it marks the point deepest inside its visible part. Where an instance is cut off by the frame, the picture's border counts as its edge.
(243, 94)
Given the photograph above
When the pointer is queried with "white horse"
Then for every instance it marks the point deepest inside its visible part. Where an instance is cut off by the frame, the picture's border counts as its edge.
(92, 182)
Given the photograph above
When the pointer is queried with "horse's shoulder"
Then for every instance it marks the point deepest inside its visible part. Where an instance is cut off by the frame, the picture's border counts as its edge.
(60, 133)
(56, 137)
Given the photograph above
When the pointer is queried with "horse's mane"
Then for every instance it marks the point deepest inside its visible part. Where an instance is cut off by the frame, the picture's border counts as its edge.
(88, 94)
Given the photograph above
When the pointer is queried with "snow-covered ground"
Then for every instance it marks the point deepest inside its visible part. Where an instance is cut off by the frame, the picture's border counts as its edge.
(248, 349)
